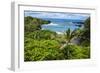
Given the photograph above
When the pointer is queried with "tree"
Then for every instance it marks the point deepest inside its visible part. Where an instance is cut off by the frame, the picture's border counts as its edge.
(33, 24)
(85, 33)
(76, 52)
(69, 35)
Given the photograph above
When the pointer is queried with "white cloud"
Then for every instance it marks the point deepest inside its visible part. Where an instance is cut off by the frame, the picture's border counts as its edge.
(57, 15)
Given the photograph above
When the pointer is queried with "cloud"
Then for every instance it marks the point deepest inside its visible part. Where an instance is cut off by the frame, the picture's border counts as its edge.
(57, 15)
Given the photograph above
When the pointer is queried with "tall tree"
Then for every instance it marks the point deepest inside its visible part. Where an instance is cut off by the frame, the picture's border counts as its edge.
(69, 35)
(85, 33)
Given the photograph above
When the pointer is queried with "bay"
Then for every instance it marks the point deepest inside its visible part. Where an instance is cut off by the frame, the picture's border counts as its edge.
(61, 25)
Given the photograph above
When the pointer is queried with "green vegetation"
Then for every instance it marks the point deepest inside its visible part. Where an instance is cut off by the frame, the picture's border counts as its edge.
(32, 24)
(85, 34)
(76, 52)
(40, 45)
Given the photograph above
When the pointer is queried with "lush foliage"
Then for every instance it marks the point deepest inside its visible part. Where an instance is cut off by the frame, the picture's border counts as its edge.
(37, 50)
(69, 35)
(32, 24)
(41, 34)
(85, 33)
(42, 45)
(76, 52)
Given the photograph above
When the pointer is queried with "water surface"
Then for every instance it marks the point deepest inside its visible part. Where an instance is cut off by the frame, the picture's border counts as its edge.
(61, 25)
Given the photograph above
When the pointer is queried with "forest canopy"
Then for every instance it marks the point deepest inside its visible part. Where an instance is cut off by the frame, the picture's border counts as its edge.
(40, 45)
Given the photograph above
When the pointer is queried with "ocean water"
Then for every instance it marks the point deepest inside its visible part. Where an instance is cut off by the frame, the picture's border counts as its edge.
(61, 25)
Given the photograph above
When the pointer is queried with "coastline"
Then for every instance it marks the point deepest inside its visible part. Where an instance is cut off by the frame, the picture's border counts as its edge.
(60, 32)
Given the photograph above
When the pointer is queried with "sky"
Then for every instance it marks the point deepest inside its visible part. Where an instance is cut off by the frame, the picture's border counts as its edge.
(57, 15)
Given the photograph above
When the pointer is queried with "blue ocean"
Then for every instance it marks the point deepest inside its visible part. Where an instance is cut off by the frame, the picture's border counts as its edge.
(61, 25)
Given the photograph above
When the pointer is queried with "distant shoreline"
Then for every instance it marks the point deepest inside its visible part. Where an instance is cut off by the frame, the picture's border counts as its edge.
(60, 32)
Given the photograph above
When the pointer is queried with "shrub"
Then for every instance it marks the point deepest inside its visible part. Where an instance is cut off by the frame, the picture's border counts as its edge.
(76, 52)
(38, 50)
